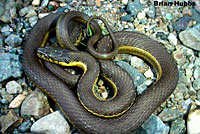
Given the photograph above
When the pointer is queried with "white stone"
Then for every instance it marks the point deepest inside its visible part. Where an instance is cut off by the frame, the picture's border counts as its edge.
(13, 87)
(124, 2)
(148, 74)
(53, 123)
(141, 15)
(193, 121)
(36, 2)
(172, 39)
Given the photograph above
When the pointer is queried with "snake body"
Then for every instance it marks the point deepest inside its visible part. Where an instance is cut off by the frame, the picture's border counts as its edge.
(130, 43)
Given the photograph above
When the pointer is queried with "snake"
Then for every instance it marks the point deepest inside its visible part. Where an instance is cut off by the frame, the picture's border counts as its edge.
(133, 43)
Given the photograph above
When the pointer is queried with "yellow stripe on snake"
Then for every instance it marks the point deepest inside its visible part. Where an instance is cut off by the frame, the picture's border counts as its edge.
(89, 117)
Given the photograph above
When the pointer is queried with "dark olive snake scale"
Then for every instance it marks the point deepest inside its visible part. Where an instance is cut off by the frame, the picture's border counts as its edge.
(143, 106)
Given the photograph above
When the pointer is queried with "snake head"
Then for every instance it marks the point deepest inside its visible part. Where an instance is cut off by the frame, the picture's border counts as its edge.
(53, 54)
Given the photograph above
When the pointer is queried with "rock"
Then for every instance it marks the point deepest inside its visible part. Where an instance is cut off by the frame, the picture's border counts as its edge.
(13, 40)
(44, 3)
(179, 57)
(127, 18)
(10, 121)
(6, 30)
(13, 87)
(28, 11)
(36, 2)
(186, 105)
(195, 15)
(9, 11)
(153, 125)
(197, 73)
(183, 79)
(197, 5)
(134, 73)
(134, 7)
(151, 13)
(124, 2)
(2, 3)
(31, 13)
(197, 61)
(9, 66)
(35, 104)
(141, 88)
(182, 23)
(138, 64)
(141, 15)
(33, 20)
(169, 16)
(148, 74)
(17, 101)
(172, 39)
(193, 120)
(41, 15)
(53, 123)
(178, 127)
(168, 114)
(190, 37)
(196, 84)
(5, 95)
(25, 126)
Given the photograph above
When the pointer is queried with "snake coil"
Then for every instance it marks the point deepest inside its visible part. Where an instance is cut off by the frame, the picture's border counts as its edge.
(130, 43)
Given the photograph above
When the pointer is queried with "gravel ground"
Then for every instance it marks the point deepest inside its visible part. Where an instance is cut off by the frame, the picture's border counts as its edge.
(25, 109)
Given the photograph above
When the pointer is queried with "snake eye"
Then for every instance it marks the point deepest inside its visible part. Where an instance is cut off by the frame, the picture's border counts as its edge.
(67, 61)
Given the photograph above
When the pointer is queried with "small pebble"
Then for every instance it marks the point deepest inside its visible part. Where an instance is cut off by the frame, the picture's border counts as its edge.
(148, 74)
(6, 30)
(17, 101)
(25, 126)
(36, 2)
(172, 39)
(13, 87)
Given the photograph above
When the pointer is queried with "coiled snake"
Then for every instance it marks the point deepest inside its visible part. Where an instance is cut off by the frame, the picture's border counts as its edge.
(130, 43)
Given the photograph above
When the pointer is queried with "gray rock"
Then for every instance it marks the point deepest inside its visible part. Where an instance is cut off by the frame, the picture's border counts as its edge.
(196, 84)
(153, 125)
(5, 95)
(180, 57)
(9, 66)
(13, 40)
(2, 3)
(190, 37)
(152, 12)
(13, 87)
(186, 104)
(178, 127)
(141, 88)
(134, 7)
(183, 79)
(36, 104)
(25, 126)
(197, 61)
(10, 11)
(9, 121)
(138, 63)
(53, 123)
(168, 114)
(127, 18)
(6, 30)
(182, 23)
(197, 73)
(134, 73)
(44, 3)
(195, 15)
(33, 20)
(24, 11)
